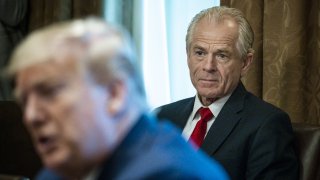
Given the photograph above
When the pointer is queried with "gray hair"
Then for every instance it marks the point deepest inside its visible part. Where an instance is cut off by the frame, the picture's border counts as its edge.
(218, 13)
(106, 50)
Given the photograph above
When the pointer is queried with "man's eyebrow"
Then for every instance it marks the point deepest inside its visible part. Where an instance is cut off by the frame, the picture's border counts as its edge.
(223, 50)
(39, 84)
(198, 47)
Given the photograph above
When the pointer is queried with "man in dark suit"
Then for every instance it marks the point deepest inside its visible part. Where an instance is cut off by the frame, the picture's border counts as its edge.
(84, 106)
(251, 138)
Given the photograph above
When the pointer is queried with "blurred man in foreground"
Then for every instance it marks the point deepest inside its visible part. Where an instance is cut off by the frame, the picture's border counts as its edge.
(84, 106)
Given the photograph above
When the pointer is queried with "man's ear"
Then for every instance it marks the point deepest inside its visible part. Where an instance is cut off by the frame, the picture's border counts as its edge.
(246, 63)
(117, 96)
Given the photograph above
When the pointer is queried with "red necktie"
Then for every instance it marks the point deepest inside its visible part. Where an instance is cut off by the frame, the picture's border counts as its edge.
(200, 130)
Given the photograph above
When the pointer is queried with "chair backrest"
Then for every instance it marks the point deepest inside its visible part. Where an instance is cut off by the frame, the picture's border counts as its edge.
(17, 155)
(307, 142)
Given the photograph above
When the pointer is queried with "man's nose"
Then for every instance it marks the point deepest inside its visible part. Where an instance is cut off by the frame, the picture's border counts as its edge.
(32, 111)
(210, 64)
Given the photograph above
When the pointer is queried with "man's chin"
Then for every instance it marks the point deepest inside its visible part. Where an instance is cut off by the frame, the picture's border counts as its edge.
(55, 160)
(208, 92)
(209, 84)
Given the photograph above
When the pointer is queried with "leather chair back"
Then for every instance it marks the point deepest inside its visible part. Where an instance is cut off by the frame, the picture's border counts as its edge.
(307, 142)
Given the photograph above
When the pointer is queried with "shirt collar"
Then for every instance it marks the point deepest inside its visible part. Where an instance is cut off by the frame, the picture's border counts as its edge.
(215, 107)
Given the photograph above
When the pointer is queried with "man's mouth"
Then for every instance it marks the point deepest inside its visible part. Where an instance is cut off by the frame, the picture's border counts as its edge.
(208, 80)
(45, 144)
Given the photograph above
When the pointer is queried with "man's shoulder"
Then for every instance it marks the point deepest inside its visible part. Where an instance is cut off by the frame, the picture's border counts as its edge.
(46, 174)
(171, 157)
(174, 105)
(258, 105)
(257, 112)
(161, 153)
(245, 100)
(178, 103)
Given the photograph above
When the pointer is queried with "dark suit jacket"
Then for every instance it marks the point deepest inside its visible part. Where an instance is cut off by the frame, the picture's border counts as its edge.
(252, 139)
(152, 151)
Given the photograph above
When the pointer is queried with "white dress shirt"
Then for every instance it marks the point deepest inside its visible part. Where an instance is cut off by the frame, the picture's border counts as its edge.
(194, 117)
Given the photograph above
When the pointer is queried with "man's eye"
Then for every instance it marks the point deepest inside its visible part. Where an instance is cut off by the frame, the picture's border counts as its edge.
(50, 91)
(222, 56)
(199, 53)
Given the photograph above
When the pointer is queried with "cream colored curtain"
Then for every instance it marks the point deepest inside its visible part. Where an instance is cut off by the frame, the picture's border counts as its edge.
(286, 71)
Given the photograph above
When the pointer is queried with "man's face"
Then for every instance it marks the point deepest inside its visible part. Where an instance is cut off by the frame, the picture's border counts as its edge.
(64, 111)
(214, 63)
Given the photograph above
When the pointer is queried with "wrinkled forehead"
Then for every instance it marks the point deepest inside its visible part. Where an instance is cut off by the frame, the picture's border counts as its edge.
(47, 73)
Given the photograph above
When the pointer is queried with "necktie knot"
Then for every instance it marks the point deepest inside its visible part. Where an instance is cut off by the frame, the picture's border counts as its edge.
(205, 114)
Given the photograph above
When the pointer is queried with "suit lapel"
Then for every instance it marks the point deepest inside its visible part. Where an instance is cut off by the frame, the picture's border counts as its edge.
(183, 112)
(226, 121)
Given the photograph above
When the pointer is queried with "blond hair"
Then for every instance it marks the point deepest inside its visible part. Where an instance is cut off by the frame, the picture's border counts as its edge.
(106, 50)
